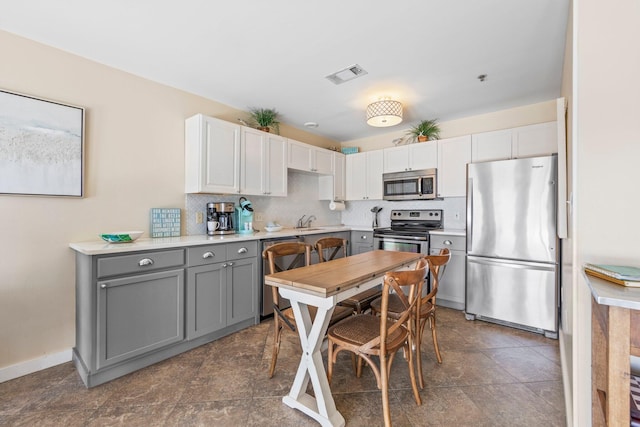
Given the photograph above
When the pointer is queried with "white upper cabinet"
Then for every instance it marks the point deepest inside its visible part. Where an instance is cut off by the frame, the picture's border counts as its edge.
(263, 169)
(535, 140)
(364, 175)
(494, 145)
(212, 155)
(309, 158)
(423, 155)
(453, 156)
(525, 141)
(332, 187)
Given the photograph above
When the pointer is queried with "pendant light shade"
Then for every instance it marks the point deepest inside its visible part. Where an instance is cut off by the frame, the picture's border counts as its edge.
(384, 113)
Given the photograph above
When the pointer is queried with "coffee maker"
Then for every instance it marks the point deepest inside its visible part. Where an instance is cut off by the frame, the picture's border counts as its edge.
(222, 213)
(244, 216)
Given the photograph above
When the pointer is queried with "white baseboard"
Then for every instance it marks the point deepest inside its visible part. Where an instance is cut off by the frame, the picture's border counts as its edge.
(34, 365)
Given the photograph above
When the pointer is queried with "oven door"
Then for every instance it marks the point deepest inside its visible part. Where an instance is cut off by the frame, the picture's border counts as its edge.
(401, 245)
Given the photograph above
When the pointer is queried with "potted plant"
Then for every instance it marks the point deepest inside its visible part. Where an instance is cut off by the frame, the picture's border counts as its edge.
(425, 130)
(265, 119)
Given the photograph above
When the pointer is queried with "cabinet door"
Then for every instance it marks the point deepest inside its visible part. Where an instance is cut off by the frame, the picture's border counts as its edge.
(453, 156)
(206, 299)
(322, 161)
(332, 187)
(423, 155)
(299, 156)
(535, 140)
(374, 174)
(452, 282)
(395, 159)
(361, 242)
(339, 176)
(356, 177)
(276, 166)
(212, 155)
(252, 169)
(488, 146)
(138, 314)
(242, 290)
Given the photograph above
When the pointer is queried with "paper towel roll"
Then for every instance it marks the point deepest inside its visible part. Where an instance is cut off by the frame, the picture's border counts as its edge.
(336, 206)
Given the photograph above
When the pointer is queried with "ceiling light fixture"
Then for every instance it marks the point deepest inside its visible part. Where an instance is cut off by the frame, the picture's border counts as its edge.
(384, 113)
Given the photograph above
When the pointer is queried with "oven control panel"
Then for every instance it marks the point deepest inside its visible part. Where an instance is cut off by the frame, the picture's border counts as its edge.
(419, 214)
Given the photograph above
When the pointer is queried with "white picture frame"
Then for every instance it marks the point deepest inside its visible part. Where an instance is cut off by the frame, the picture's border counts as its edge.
(41, 146)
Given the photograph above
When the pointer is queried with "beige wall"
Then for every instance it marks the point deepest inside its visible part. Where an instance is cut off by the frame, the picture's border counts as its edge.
(607, 149)
(134, 161)
(566, 270)
(504, 119)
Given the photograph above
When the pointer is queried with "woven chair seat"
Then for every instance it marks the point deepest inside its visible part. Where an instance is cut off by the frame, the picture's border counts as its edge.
(362, 328)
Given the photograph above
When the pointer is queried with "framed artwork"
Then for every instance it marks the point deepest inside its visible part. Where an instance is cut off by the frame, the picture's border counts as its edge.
(41, 146)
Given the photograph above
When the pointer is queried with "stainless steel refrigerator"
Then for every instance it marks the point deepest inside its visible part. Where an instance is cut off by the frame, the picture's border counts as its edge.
(512, 245)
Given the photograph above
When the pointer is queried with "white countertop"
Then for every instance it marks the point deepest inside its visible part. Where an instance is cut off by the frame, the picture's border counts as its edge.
(608, 293)
(450, 232)
(100, 247)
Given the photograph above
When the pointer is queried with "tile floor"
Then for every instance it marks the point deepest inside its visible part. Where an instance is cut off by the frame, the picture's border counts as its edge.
(490, 376)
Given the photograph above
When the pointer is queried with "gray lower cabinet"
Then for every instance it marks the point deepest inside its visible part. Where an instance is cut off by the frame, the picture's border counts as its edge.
(138, 314)
(451, 290)
(222, 288)
(138, 308)
(361, 242)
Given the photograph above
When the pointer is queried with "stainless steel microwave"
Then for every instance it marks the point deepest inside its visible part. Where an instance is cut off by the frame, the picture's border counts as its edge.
(410, 185)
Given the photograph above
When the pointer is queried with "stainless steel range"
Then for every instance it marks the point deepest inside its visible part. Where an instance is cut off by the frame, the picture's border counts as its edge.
(409, 231)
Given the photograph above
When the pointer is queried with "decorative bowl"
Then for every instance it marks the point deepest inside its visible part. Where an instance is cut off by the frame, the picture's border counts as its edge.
(121, 236)
(272, 228)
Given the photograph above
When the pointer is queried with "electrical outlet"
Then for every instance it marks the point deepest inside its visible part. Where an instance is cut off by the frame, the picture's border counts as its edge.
(199, 217)
(259, 216)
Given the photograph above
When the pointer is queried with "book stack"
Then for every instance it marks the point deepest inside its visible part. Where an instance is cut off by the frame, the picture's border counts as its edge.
(619, 274)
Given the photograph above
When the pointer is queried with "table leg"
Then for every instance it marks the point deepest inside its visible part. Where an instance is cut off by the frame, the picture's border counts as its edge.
(322, 408)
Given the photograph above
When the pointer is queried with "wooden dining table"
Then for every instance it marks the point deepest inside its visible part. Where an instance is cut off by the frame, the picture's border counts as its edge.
(323, 286)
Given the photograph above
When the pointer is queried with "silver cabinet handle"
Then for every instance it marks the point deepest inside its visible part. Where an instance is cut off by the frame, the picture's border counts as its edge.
(230, 264)
(224, 265)
(363, 237)
(145, 261)
(242, 250)
(103, 285)
(447, 242)
(208, 255)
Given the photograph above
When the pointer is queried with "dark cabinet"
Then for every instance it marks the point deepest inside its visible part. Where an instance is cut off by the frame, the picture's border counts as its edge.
(138, 314)
(361, 242)
(221, 287)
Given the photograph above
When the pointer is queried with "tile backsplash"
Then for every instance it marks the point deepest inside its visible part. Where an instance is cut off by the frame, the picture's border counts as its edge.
(302, 199)
(359, 212)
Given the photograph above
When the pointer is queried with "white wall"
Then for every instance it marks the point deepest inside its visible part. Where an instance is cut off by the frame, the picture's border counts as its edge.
(606, 133)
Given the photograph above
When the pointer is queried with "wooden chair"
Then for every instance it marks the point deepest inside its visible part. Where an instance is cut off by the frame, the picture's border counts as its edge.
(328, 248)
(366, 336)
(284, 316)
(425, 310)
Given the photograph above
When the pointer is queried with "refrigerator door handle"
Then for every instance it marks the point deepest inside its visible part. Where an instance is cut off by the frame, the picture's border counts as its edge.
(469, 214)
(511, 263)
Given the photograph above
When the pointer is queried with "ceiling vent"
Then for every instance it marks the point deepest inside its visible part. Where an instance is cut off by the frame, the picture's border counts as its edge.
(346, 74)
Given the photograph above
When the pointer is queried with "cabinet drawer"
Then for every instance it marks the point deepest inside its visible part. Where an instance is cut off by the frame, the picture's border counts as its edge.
(242, 250)
(139, 262)
(454, 243)
(203, 255)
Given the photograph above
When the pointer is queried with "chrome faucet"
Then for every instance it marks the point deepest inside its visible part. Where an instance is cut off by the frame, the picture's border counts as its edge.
(305, 223)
